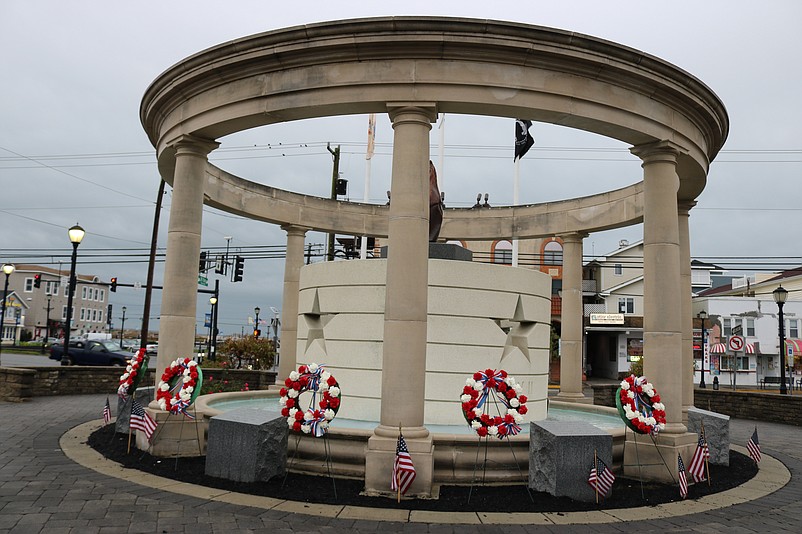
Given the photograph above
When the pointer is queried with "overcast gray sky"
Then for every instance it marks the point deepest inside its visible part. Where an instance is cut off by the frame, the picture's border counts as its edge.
(72, 148)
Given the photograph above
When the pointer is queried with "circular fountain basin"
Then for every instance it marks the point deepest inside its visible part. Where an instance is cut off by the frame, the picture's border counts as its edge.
(456, 446)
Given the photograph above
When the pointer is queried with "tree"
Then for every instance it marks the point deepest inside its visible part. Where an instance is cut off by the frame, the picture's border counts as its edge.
(245, 351)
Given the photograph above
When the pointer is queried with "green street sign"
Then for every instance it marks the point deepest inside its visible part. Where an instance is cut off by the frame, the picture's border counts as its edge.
(203, 281)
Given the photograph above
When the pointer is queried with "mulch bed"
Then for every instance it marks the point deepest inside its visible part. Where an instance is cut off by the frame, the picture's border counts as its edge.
(316, 489)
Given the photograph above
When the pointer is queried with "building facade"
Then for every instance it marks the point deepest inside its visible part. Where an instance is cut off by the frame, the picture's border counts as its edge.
(45, 310)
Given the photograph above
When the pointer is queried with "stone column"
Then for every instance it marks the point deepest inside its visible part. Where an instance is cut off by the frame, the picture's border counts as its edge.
(180, 293)
(571, 317)
(405, 312)
(683, 213)
(289, 303)
(662, 315)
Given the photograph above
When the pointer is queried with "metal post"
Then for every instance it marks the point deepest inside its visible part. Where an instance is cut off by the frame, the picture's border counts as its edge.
(47, 324)
(780, 294)
(703, 316)
(215, 313)
(335, 174)
(122, 327)
(5, 297)
(65, 355)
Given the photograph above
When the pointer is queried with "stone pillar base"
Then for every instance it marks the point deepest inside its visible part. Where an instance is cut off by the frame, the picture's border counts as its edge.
(175, 435)
(379, 459)
(644, 461)
(573, 397)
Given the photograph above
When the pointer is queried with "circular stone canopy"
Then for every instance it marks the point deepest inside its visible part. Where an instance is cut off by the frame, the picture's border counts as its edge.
(451, 65)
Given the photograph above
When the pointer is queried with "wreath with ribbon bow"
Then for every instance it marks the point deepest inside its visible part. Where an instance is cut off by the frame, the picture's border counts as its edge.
(639, 406)
(315, 420)
(476, 398)
(180, 385)
(136, 369)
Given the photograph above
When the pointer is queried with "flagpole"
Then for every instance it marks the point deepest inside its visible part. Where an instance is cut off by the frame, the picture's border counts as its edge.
(441, 156)
(363, 252)
(596, 467)
(397, 481)
(515, 192)
(707, 459)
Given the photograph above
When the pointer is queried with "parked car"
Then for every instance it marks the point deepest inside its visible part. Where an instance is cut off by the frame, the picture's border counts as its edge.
(92, 352)
(152, 349)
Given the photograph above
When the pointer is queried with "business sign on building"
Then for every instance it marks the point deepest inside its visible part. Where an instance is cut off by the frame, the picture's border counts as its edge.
(606, 318)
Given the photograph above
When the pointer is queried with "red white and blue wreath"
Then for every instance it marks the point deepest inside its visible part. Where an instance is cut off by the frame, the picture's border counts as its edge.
(639, 406)
(317, 417)
(180, 385)
(134, 371)
(475, 405)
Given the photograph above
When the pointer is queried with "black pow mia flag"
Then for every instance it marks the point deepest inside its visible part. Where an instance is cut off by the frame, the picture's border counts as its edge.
(523, 139)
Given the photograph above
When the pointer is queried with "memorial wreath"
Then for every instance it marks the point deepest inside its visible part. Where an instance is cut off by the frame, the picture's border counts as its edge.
(639, 405)
(134, 371)
(316, 418)
(179, 386)
(474, 399)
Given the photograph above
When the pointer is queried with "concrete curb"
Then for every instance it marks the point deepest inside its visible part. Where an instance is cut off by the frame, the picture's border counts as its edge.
(772, 476)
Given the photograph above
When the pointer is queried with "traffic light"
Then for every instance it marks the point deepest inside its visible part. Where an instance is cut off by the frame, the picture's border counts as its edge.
(108, 315)
(257, 333)
(239, 265)
(37, 280)
(341, 186)
(202, 262)
(113, 285)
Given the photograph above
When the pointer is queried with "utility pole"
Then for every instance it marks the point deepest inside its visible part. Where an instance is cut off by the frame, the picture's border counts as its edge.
(47, 325)
(335, 174)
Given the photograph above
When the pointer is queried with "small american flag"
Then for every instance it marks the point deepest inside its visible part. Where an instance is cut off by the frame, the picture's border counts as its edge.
(753, 446)
(403, 470)
(141, 420)
(702, 453)
(683, 479)
(601, 478)
(107, 412)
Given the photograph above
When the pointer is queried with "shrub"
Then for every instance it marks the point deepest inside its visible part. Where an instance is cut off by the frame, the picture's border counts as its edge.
(236, 353)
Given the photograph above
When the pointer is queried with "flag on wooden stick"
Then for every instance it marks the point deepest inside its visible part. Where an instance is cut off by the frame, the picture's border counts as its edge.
(106, 412)
(699, 459)
(753, 446)
(683, 478)
(601, 478)
(403, 469)
(141, 420)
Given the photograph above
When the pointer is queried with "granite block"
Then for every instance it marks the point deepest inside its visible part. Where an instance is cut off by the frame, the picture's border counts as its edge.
(247, 445)
(143, 396)
(561, 456)
(717, 433)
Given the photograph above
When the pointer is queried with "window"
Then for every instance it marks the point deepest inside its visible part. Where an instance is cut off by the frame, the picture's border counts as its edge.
(83, 292)
(727, 326)
(793, 328)
(750, 327)
(97, 293)
(618, 270)
(502, 253)
(100, 316)
(28, 285)
(102, 295)
(64, 313)
(553, 253)
(83, 313)
(51, 287)
(626, 305)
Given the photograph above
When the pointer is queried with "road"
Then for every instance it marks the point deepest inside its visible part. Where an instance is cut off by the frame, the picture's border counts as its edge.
(8, 358)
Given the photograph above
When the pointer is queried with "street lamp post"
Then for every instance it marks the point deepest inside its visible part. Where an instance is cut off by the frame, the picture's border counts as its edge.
(122, 327)
(703, 316)
(213, 330)
(76, 234)
(780, 296)
(7, 270)
(212, 301)
(256, 310)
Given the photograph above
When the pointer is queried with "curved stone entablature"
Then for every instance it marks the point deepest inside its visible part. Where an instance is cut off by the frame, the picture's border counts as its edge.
(468, 66)
(594, 213)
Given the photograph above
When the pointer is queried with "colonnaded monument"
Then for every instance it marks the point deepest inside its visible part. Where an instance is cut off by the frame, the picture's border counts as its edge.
(411, 69)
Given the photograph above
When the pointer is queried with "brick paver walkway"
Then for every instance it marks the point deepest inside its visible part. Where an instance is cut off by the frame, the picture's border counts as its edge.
(41, 490)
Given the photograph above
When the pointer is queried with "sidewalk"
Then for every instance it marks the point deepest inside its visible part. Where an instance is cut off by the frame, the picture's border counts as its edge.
(42, 490)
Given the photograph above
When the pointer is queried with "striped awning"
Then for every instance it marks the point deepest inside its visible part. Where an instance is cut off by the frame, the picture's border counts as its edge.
(721, 348)
(795, 344)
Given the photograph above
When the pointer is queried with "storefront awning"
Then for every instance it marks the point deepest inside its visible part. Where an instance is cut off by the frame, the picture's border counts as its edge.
(721, 348)
(795, 344)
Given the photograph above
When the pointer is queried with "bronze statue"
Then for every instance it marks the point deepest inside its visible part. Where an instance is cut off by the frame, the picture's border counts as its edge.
(435, 205)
